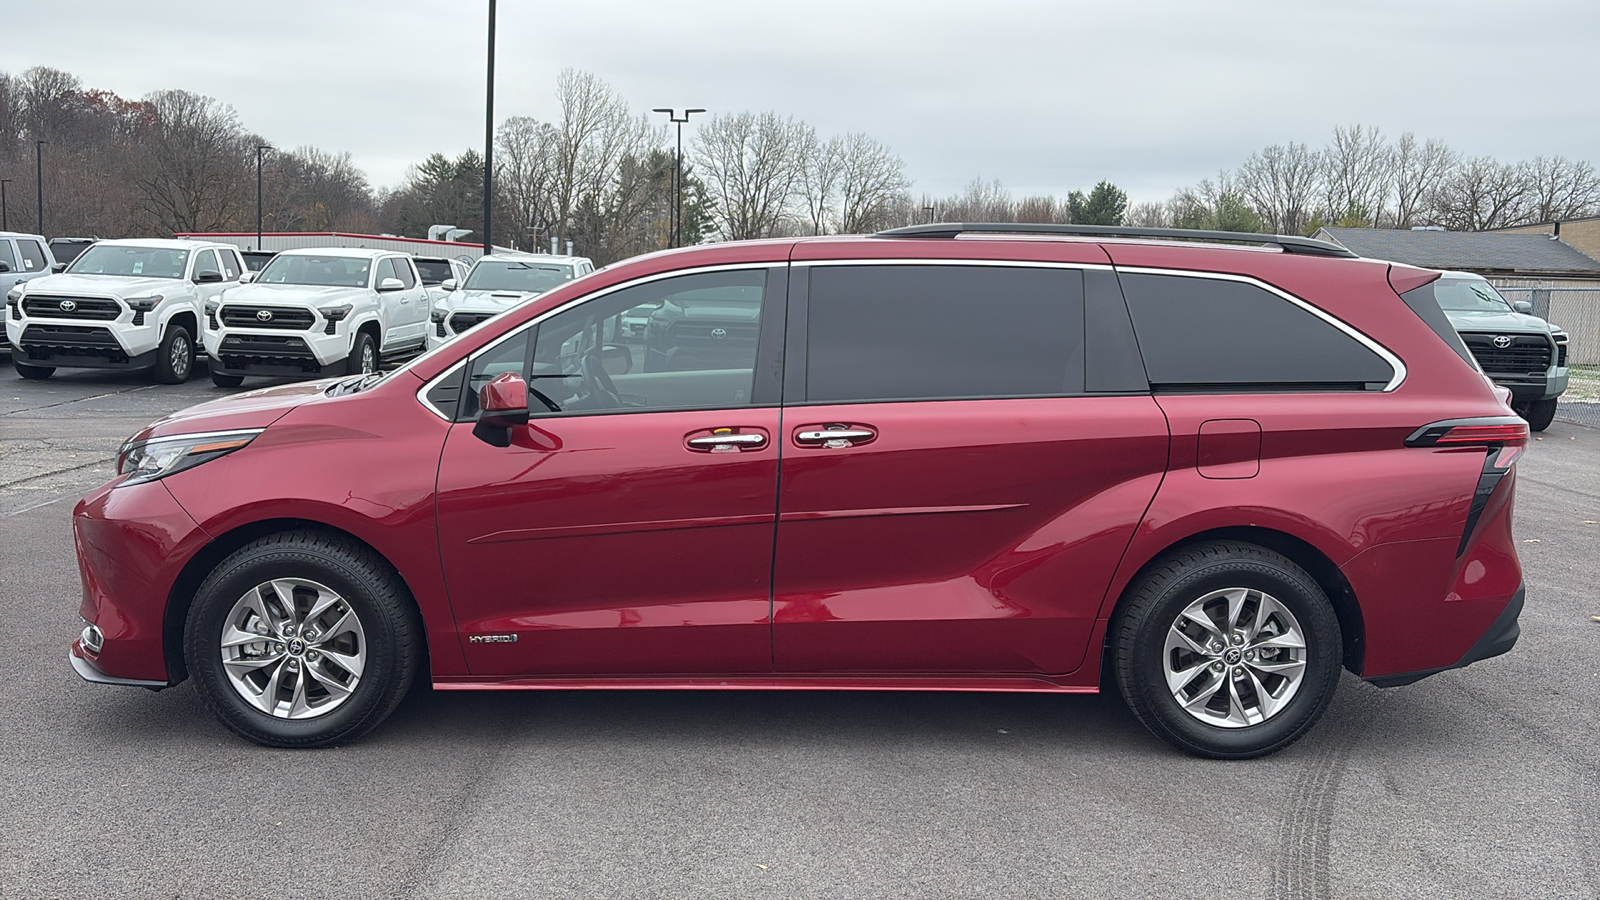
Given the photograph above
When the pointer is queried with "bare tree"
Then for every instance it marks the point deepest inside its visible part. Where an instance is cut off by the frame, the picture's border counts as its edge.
(981, 201)
(192, 164)
(752, 165)
(1283, 182)
(821, 171)
(1150, 215)
(1559, 188)
(1417, 171)
(872, 180)
(525, 152)
(1355, 175)
(1483, 194)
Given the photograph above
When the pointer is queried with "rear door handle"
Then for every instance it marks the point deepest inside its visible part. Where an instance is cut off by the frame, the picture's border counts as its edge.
(834, 437)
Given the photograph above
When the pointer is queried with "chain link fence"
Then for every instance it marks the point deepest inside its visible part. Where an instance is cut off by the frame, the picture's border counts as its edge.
(1577, 310)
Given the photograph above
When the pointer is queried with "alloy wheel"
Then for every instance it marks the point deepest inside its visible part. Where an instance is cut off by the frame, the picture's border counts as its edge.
(178, 356)
(1234, 657)
(293, 648)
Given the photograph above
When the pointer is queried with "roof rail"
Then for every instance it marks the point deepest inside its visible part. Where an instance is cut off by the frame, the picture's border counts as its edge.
(1288, 243)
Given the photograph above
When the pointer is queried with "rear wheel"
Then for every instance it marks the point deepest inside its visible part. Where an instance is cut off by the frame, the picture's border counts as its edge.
(302, 639)
(33, 373)
(1227, 650)
(1539, 413)
(175, 356)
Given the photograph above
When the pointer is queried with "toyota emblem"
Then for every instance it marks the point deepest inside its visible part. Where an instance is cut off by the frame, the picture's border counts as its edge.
(264, 315)
(1502, 341)
(719, 333)
(69, 305)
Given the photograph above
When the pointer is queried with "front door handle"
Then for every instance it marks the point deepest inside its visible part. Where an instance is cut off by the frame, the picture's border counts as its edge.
(726, 440)
(834, 437)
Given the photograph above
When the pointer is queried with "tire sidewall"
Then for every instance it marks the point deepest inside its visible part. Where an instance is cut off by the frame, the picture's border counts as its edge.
(165, 373)
(1324, 652)
(207, 618)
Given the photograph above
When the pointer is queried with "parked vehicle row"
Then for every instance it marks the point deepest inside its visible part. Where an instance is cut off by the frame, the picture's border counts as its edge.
(937, 458)
(495, 284)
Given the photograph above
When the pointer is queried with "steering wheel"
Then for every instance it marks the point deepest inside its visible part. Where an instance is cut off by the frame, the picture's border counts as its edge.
(598, 380)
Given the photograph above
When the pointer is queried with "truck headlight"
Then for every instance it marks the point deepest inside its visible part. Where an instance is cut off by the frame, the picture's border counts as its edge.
(438, 315)
(144, 304)
(141, 461)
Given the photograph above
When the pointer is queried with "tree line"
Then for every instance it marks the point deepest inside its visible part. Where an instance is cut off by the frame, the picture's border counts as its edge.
(600, 175)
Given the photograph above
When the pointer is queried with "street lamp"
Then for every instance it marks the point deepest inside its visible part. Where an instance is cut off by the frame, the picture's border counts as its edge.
(260, 149)
(677, 175)
(5, 214)
(488, 146)
(38, 174)
(929, 211)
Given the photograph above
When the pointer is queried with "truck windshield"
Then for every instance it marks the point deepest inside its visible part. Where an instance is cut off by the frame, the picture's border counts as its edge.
(312, 269)
(516, 276)
(144, 262)
(1469, 295)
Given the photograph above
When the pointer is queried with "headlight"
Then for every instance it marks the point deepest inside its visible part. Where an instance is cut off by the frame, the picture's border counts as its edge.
(438, 315)
(144, 304)
(13, 295)
(143, 461)
(212, 306)
(335, 313)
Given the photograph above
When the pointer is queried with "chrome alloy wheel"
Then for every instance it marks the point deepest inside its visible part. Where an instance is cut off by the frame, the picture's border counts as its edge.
(293, 649)
(179, 356)
(1234, 657)
(369, 359)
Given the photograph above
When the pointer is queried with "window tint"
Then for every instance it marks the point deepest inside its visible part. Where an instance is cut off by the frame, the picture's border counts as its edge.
(205, 261)
(1206, 332)
(434, 271)
(32, 256)
(6, 256)
(943, 332)
(696, 348)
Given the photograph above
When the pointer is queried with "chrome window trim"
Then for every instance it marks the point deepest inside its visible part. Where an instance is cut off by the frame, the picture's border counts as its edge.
(904, 261)
(1398, 367)
(422, 393)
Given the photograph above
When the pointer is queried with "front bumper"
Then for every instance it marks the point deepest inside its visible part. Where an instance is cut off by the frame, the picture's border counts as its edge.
(81, 344)
(1500, 637)
(298, 354)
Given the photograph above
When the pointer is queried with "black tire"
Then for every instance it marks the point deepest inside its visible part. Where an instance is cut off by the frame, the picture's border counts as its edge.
(392, 634)
(359, 351)
(226, 381)
(1153, 604)
(1540, 413)
(32, 373)
(175, 356)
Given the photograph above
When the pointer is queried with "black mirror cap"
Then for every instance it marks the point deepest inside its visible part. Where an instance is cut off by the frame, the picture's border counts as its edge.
(207, 277)
(58, 268)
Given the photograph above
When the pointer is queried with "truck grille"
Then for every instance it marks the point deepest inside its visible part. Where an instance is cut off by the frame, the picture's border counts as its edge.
(1527, 354)
(465, 321)
(245, 315)
(68, 336)
(61, 306)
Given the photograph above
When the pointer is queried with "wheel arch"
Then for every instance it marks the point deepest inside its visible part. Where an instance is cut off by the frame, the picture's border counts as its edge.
(1299, 551)
(188, 319)
(181, 597)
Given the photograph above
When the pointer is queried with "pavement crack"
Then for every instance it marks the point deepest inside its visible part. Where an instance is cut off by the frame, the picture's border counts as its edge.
(18, 412)
(6, 485)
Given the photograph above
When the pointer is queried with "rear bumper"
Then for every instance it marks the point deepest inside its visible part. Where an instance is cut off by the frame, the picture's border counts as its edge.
(1499, 638)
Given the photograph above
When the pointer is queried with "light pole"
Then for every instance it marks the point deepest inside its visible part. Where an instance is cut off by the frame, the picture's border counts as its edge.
(929, 211)
(677, 175)
(38, 174)
(260, 149)
(488, 146)
(5, 208)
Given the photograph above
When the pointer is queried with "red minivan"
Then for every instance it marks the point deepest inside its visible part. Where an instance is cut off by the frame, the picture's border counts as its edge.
(1211, 468)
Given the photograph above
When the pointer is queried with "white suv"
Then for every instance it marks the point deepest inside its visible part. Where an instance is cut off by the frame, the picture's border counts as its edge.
(318, 312)
(497, 283)
(131, 304)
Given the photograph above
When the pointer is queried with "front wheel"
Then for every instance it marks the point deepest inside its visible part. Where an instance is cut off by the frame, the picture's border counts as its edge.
(175, 356)
(363, 355)
(226, 381)
(1540, 413)
(302, 639)
(33, 373)
(1227, 650)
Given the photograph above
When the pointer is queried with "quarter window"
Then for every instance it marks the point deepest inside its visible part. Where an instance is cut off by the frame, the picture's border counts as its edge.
(943, 332)
(1200, 333)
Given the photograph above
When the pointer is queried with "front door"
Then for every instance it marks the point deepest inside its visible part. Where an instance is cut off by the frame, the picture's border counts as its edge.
(628, 529)
(953, 501)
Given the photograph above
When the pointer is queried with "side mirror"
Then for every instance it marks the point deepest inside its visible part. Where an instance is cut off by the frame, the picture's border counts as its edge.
(393, 284)
(246, 277)
(448, 284)
(4, 267)
(504, 405)
(58, 268)
(207, 277)
(1522, 306)
(616, 359)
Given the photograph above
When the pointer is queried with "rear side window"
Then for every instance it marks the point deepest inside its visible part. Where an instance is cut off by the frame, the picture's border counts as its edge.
(230, 265)
(32, 256)
(1204, 333)
(1425, 303)
(942, 332)
(404, 272)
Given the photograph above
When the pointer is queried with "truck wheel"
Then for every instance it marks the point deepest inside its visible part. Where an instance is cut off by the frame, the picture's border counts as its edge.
(227, 381)
(1540, 413)
(175, 356)
(33, 373)
(363, 355)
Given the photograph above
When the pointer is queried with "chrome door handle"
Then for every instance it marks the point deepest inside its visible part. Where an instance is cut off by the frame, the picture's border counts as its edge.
(722, 443)
(834, 437)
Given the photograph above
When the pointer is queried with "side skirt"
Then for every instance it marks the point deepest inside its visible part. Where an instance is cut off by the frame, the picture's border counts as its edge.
(1001, 684)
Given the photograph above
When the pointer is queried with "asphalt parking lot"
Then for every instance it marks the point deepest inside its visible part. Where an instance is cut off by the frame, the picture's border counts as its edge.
(1478, 783)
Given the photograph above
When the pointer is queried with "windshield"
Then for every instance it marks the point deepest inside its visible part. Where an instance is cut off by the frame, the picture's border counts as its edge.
(433, 271)
(495, 275)
(145, 262)
(1469, 295)
(312, 269)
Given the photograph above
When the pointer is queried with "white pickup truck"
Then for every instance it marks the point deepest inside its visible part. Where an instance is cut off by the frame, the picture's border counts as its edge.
(318, 312)
(494, 285)
(133, 304)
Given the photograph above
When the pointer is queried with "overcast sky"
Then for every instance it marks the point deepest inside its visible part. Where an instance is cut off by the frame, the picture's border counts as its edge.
(1046, 96)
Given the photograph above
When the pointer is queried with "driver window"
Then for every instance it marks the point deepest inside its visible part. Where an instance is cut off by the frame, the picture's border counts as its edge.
(687, 342)
(205, 261)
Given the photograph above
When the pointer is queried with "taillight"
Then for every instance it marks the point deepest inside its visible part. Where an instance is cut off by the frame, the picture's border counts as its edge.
(1506, 436)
